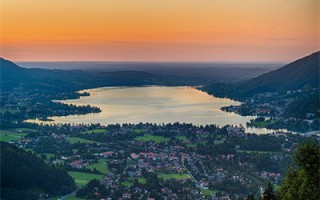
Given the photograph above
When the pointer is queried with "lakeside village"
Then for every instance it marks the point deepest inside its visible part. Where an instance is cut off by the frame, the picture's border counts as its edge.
(290, 110)
(168, 161)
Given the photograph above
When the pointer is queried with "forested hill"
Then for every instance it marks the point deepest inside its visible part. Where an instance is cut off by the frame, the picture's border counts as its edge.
(293, 76)
(13, 76)
(25, 176)
(296, 75)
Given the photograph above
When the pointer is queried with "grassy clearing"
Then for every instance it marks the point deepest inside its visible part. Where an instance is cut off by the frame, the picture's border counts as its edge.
(101, 166)
(276, 187)
(130, 182)
(95, 131)
(154, 138)
(127, 183)
(192, 145)
(82, 178)
(173, 176)
(8, 136)
(74, 140)
(208, 192)
(182, 138)
(218, 141)
(138, 130)
(142, 180)
(49, 155)
(261, 124)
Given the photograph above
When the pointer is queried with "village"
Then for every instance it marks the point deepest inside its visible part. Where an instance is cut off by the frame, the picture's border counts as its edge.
(279, 110)
(189, 162)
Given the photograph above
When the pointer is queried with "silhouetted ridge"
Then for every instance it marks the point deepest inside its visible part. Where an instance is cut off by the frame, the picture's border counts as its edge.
(9, 70)
(296, 75)
(293, 76)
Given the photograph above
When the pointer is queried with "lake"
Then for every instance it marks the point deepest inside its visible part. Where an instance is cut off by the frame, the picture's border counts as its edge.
(155, 104)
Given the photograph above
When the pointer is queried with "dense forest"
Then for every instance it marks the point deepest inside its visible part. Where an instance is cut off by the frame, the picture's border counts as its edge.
(25, 176)
(303, 177)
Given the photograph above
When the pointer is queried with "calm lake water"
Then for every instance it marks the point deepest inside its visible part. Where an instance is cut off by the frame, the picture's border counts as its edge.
(156, 105)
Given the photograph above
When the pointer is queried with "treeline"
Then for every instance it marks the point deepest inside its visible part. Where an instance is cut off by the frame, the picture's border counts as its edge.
(302, 178)
(25, 176)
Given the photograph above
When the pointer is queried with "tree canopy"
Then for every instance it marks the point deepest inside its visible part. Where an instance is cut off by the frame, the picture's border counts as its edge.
(303, 178)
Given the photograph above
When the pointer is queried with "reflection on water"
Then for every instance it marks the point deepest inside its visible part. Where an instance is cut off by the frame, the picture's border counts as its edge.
(156, 105)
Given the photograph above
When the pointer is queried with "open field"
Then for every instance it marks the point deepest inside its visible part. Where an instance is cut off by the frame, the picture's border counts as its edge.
(74, 140)
(173, 176)
(182, 137)
(208, 192)
(154, 138)
(95, 131)
(261, 124)
(130, 182)
(101, 166)
(142, 180)
(138, 130)
(82, 178)
(218, 141)
(276, 187)
(8, 135)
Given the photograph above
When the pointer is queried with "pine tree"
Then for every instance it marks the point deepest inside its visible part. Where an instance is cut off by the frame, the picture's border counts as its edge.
(302, 179)
(268, 193)
(250, 197)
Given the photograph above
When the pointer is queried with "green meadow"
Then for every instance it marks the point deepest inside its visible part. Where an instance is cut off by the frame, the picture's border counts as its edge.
(101, 166)
(173, 176)
(138, 130)
(130, 182)
(82, 178)
(95, 131)
(8, 135)
(74, 140)
(208, 192)
(181, 137)
(154, 138)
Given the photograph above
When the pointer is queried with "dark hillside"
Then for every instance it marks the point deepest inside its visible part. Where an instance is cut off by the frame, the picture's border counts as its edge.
(25, 176)
(293, 76)
(301, 73)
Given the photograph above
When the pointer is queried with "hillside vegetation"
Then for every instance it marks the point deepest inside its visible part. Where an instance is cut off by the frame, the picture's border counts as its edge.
(25, 176)
(294, 76)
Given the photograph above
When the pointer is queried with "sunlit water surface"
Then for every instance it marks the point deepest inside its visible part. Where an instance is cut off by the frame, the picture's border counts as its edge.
(156, 105)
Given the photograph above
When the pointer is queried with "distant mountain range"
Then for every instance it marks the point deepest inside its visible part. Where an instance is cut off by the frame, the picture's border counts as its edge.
(125, 74)
(296, 75)
(67, 80)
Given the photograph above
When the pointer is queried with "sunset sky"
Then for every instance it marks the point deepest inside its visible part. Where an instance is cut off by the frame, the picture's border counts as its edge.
(158, 30)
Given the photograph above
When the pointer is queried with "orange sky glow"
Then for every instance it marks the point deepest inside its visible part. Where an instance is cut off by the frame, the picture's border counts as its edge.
(158, 30)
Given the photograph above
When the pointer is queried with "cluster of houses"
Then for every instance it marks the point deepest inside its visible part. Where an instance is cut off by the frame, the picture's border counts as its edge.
(128, 160)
